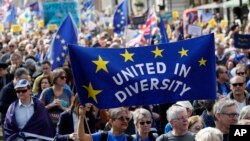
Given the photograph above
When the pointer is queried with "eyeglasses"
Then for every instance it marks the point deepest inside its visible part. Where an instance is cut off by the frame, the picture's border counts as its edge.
(237, 84)
(143, 122)
(21, 91)
(182, 118)
(240, 73)
(62, 77)
(123, 118)
(231, 115)
(224, 72)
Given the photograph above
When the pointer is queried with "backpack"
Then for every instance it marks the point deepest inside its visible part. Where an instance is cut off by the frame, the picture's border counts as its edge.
(104, 136)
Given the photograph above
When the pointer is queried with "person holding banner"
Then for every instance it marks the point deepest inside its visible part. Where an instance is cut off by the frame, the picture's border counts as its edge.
(119, 118)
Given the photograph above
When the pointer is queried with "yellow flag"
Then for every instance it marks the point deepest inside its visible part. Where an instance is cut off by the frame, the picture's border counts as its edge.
(200, 24)
(212, 23)
(40, 24)
(52, 27)
(1, 28)
(224, 23)
(175, 15)
(15, 28)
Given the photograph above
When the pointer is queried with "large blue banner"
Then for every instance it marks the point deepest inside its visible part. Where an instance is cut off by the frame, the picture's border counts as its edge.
(56, 12)
(242, 41)
(114, 77)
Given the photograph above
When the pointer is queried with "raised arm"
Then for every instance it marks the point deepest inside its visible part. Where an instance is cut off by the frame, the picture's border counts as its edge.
(81, 131)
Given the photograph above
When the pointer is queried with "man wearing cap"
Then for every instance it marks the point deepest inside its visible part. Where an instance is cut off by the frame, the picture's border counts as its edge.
(5, 77)
(8, 94)
(27, 118)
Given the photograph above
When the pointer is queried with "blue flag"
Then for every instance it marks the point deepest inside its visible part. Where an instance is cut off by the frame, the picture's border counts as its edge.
(66, 34)
(88, 4)
(164, 36)
(121, 17)
(157, 74)
(35, 7)
(10, 15)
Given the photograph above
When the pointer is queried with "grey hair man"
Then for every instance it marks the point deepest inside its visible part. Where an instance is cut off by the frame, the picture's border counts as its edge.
(225, 112)
(178, 118)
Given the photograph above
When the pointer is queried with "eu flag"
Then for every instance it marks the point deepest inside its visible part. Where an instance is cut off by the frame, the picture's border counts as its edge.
(35, 7)
(164, 36)
(114, 77)
(88, 4)
(121, 17)
(66, 34)
(10, 15)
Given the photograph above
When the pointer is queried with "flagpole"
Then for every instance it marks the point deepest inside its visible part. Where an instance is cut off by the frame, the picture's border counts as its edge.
(125, 31)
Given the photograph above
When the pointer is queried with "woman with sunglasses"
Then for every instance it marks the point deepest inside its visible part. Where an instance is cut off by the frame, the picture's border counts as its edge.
(142, 120)
(57, 98)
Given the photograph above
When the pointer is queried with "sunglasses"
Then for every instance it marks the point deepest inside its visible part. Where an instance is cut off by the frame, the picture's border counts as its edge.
(240, 73)
(62, 77)
(21, 91)
(238, 84)
(123, 118)
(143, 122)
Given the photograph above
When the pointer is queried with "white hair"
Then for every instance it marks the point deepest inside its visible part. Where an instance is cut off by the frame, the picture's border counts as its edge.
(209, 134)
(173, 110)
(244, 112)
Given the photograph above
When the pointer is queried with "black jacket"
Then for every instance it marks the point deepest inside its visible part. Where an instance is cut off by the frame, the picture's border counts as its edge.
(65, 126)
(7, 96)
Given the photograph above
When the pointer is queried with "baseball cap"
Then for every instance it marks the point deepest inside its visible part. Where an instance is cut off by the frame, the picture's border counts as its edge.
(22, 83)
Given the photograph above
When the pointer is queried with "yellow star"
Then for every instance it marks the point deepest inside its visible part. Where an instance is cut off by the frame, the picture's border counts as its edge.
(202, 62)
(183, 52)
(101, 64)
(158, 52)
(128, 56)
(91, 92)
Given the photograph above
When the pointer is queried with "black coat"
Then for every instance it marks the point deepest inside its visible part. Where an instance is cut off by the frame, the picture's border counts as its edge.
(65, 126)
(7, 96)
(8, 78)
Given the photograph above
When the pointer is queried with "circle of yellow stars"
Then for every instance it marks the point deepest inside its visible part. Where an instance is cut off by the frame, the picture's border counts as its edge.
(101, 65)
(64, 49)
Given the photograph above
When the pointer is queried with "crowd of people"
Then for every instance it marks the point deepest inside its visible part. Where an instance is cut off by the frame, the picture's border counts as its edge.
(38, 103)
